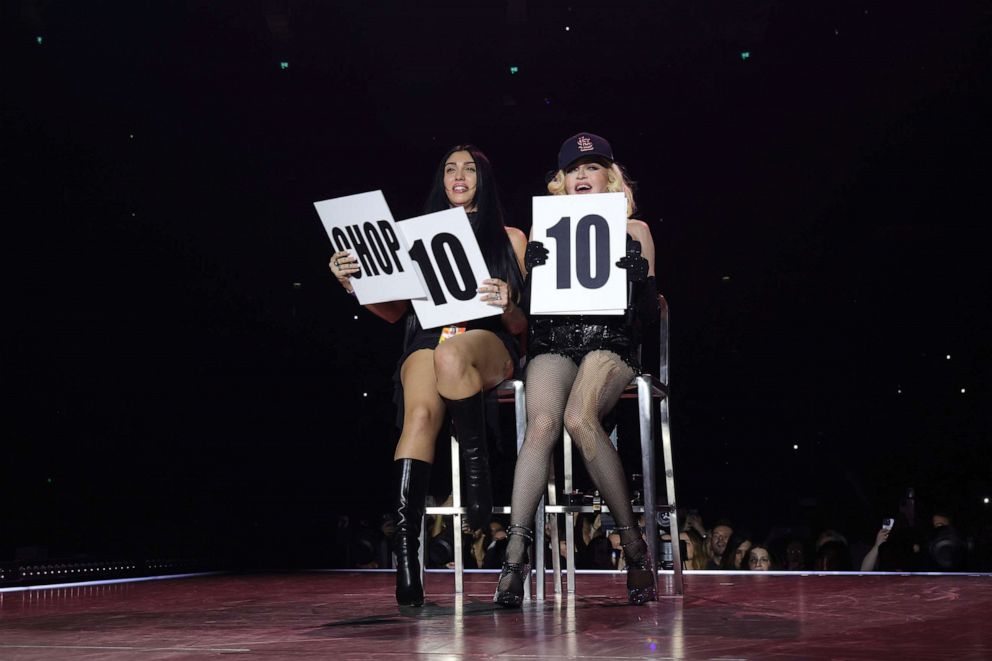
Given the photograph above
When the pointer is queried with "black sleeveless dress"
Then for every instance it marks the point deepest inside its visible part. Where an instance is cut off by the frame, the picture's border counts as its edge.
(417, 338)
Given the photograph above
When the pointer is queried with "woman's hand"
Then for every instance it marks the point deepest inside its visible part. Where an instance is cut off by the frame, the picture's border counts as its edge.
(535, 255)
(635, 265)
(882, 537)
(343, 265)
(495, 292)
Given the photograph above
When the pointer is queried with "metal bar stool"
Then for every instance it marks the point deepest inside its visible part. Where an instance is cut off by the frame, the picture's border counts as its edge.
(511, 390)
(646, 389)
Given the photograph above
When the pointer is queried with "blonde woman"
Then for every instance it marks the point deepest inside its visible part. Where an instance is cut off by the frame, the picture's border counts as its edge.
(578, 367)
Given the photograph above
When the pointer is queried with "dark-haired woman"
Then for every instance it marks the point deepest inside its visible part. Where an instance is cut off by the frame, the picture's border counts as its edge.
(578, 366)
(449, 369)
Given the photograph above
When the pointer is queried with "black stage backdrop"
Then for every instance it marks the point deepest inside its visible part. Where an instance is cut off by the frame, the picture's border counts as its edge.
(181, 375)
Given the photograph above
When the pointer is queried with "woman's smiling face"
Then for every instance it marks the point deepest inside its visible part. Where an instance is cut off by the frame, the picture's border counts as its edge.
(460, 180)
(587, 175)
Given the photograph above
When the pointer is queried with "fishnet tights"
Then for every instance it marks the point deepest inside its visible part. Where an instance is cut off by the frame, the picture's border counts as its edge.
(559, 391)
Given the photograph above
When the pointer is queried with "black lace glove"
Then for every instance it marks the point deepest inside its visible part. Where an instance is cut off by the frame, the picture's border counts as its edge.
(635, 265)
(646, 300)
(536, 254)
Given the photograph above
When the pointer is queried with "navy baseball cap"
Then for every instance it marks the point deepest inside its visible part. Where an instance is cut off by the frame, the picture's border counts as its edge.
(581, 145)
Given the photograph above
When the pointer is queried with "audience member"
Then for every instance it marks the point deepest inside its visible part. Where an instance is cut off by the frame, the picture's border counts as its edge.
(870, 562)
(833, 555)
(759, 558)
(947, 550)
(716, 543)
(695, 521)
(496, 548)
(737, 549)
(796, 555)
(695, 552)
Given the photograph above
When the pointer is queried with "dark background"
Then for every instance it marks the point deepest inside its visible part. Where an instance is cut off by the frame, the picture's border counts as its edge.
(181, 374)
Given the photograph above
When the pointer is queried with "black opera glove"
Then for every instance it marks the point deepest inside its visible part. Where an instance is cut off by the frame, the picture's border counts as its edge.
(635, 265)
(646, 299)
(536, 254)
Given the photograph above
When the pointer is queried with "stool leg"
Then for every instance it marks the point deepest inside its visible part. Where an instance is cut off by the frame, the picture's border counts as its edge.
(456, 519)
(644, 406)
(569, 522)
(555, 555)
(520, 418)
(539, 519)
(666, 448)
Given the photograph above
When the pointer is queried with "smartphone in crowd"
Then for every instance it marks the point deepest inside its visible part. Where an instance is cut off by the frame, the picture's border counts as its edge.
(888, 523)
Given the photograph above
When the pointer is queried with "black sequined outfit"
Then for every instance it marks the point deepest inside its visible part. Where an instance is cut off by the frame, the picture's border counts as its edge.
(574, 336)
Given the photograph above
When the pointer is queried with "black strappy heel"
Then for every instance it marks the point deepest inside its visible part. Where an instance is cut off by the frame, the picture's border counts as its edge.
(510, 589)
(641, 576)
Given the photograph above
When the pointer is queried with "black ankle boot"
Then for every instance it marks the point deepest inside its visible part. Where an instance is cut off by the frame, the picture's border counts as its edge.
(641, 574)
(413, 477)
(469, 416)
(510, 589)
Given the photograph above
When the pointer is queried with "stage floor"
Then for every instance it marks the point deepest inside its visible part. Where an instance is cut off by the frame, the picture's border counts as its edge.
(332, 615)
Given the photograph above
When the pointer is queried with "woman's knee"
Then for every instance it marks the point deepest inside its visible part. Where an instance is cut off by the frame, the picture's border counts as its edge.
(422, 419)
(543, 427)
(579, 422)
(451, 361)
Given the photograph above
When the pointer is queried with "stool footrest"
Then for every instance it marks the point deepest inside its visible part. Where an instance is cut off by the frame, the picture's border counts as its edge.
(448, 511)
(589, 509)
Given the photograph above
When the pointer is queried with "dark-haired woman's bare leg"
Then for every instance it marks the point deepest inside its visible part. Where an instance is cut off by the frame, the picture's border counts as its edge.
(451, 377)
(423, 413)
(466, 366)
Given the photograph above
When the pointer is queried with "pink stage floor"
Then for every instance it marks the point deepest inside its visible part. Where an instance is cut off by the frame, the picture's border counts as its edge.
(331, 615)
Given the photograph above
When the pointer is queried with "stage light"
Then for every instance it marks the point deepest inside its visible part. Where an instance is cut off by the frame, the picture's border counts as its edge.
(795, 446)
(899, 390)
(365, 394)
(130, 136)
(38, 39)
(986, 500)
(567, 28)
(948, 356)
(745, 54)
(356, 317)
(962, 391)
(284, 65)
(514, 70)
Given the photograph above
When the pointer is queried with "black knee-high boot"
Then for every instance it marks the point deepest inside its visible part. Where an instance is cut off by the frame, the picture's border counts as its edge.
(413, 477)
(469, 416)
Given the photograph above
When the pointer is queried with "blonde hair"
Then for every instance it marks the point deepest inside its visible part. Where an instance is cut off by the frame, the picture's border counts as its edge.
(616, 182)
(698, 553)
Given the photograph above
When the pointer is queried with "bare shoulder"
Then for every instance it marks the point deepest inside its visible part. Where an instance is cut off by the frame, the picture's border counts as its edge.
(517, 239)
(639, 230)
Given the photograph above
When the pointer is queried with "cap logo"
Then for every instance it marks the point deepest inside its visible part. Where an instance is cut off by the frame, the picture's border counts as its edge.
(585, 144)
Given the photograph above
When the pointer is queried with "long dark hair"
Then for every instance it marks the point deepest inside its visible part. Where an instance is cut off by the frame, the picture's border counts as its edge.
(488, 224)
